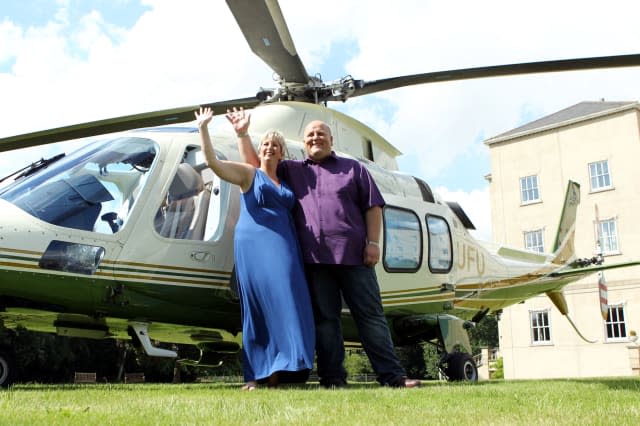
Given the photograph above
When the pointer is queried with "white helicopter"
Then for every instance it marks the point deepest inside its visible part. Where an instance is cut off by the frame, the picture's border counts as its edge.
(130, 237)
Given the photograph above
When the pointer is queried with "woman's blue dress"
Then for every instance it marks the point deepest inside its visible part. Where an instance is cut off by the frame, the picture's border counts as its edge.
(277, 319)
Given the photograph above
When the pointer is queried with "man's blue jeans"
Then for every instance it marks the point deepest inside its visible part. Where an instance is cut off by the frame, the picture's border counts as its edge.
(359, 287)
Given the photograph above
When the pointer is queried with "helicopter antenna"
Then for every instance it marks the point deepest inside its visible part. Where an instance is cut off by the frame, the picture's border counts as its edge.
(578, 331)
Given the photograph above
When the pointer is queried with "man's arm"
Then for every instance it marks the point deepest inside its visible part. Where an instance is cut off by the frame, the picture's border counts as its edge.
(373, 220)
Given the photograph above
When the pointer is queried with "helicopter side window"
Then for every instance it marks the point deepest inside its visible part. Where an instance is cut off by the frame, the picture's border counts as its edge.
(197, 201)
(183, 214)
(402, 240)
(440, 253)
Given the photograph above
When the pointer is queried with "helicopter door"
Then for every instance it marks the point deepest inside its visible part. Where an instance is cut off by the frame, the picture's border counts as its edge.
(190, 226)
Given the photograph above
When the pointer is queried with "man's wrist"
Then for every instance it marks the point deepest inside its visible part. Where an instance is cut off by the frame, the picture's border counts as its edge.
(373, 243)
(242, 134)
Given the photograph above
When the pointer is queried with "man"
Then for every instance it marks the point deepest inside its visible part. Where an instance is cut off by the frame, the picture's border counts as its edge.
(338, 218)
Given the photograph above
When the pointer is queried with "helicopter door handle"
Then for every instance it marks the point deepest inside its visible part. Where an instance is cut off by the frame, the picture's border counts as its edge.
(200, 256)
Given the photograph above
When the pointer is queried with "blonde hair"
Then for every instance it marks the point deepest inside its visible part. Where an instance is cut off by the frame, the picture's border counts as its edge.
(276, 136)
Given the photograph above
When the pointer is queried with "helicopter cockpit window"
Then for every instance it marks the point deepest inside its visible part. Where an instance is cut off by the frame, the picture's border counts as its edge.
(440, 253)
(191, 209)
(92, 190)
(402, 240)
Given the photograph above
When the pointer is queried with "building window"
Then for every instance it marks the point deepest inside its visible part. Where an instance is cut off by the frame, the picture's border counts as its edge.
(529, 192)
(540, 328)
(615, 323)
(608, 236)
(533, 241)
(599, 175)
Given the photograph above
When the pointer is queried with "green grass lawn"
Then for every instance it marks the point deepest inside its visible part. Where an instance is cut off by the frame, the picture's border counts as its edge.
(545, 402)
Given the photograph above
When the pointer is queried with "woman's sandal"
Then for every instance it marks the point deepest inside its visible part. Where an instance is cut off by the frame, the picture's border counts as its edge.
(250, 386)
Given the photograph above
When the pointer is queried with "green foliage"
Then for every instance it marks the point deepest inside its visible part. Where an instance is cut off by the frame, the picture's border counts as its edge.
(47, 358)
(431, 361)
(356, 362)
(420, 361)
(499, 373)
(6, 336)
(412, 359)
(484, 334)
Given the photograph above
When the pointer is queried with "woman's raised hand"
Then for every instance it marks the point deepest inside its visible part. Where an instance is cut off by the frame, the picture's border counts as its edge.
(239, 120)
(204, 116)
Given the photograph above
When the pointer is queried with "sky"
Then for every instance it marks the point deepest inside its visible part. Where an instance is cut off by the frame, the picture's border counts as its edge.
(64, 62)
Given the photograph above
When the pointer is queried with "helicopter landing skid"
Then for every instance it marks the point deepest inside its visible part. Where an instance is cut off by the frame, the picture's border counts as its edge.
(140, 329)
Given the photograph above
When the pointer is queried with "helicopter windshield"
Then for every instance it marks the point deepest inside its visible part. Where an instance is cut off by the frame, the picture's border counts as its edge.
(92, 189)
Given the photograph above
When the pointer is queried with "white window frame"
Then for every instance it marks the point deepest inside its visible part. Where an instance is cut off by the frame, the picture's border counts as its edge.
(607, 236)
(600, 176)
(528, 188)
(538, 245)
(540, 328)
(615, 324)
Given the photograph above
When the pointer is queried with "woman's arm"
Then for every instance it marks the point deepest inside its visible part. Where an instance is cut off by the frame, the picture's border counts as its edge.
(237, 173)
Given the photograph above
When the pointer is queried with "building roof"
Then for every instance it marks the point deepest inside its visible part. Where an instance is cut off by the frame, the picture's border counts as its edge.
(579, 112)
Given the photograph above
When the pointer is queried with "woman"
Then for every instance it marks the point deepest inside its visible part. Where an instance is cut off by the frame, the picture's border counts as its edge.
(278, 332)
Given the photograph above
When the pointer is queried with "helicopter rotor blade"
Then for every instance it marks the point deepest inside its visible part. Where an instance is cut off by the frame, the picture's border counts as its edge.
(266, 31)
(619, 61)
(119, 124)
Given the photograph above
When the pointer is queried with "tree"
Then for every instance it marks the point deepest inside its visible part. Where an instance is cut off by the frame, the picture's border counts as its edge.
(431, 361)
(484, 334)
(412, 359)
(356, 363)
(47, 358)
(499, 373)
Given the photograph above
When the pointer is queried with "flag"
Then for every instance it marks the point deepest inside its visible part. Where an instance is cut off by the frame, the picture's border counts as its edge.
(604, 298)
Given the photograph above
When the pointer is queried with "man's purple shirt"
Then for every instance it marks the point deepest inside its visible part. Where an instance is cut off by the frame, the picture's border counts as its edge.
(332, 199)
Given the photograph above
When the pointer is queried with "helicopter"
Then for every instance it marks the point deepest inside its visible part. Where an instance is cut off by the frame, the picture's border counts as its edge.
(130, 237)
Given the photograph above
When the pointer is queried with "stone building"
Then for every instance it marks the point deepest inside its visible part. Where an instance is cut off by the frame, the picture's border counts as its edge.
(596, 144)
